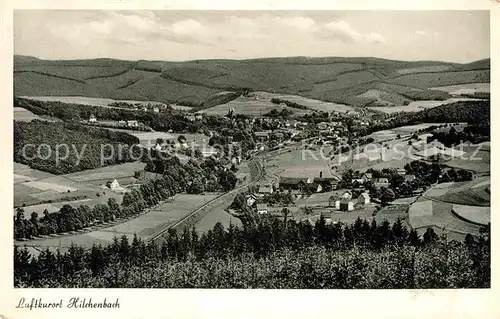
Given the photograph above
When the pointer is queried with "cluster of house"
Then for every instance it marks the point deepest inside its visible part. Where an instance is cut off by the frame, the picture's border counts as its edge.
(346, 203)
(198, 116)
(152, 108)
(381, 182)
(297, 185)
(183, 145)
(128, 123)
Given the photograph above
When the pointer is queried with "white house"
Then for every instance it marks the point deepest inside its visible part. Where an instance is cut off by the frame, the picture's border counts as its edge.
(198, 116)
(346, 205)
(206, 153)
(113, 185)
(156, 109)
(364, 199)
(92, 118)
(347, 195)
(262, 208)
(157, 147)
(265, 190)
(251, 200)
(132, 123)
(401, 171)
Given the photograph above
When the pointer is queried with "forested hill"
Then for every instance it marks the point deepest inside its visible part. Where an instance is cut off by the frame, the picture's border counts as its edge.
(204, 82)
(472, 112)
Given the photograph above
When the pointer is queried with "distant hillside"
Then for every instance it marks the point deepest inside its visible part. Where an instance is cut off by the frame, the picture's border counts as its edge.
(355, 81)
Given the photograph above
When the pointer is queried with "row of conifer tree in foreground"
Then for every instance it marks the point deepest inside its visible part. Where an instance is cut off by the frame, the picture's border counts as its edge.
(268, 254)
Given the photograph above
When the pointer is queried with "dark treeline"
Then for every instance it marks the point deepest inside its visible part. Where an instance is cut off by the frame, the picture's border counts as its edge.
(289, 103)
(428, 95)
(66, 142)
(169, 119)
(283, 114)
(476, 133)
(172, 178)
(269, 253)
(237, 127)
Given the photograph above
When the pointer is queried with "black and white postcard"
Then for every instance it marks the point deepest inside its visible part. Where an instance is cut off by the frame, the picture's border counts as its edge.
(196, 159)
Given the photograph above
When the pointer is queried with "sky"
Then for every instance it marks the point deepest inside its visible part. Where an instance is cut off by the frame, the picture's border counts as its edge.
(453, 36)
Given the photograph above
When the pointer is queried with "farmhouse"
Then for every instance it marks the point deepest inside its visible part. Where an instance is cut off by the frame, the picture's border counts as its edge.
(326, 181)
(262, 209)
(198, 116)
(401, 171)
(262, 136)
(367, 177)
(347, 195)
(360, 181)
(132, 123)
(265, 190)
(92, 118)
(410, 178)
(346, 205)
(250, 199)
(205, 153)
(424, 137)
(382, 182)
(156, 109)
(157, 147)
(315, 188)
(364, 199)
(113, 184)
(293, 183)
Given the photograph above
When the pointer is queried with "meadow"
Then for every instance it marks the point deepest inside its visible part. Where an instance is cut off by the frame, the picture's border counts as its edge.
(416, 106)
(313, 104)
(83, 100)
(464, 88)
(426, 213)
(249, 106)
(34, 188)
(148, 224)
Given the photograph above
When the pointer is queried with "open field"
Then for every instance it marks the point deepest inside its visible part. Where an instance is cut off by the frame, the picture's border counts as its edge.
(300, 163)
(145, 226)
(476, 214)
(402, 130)
(416, 106)
(471, 193)
(21, 114)
(83, 100)
(22, 170)
(464, 88)
(392, 212)
(249, 106)
(476, 159)
(159, 218)
(431, 68)
(428, 213)
(32, 187)
(107, 173)
(307, 102)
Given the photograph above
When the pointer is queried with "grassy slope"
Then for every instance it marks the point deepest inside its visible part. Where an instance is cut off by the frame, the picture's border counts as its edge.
(332, 79)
